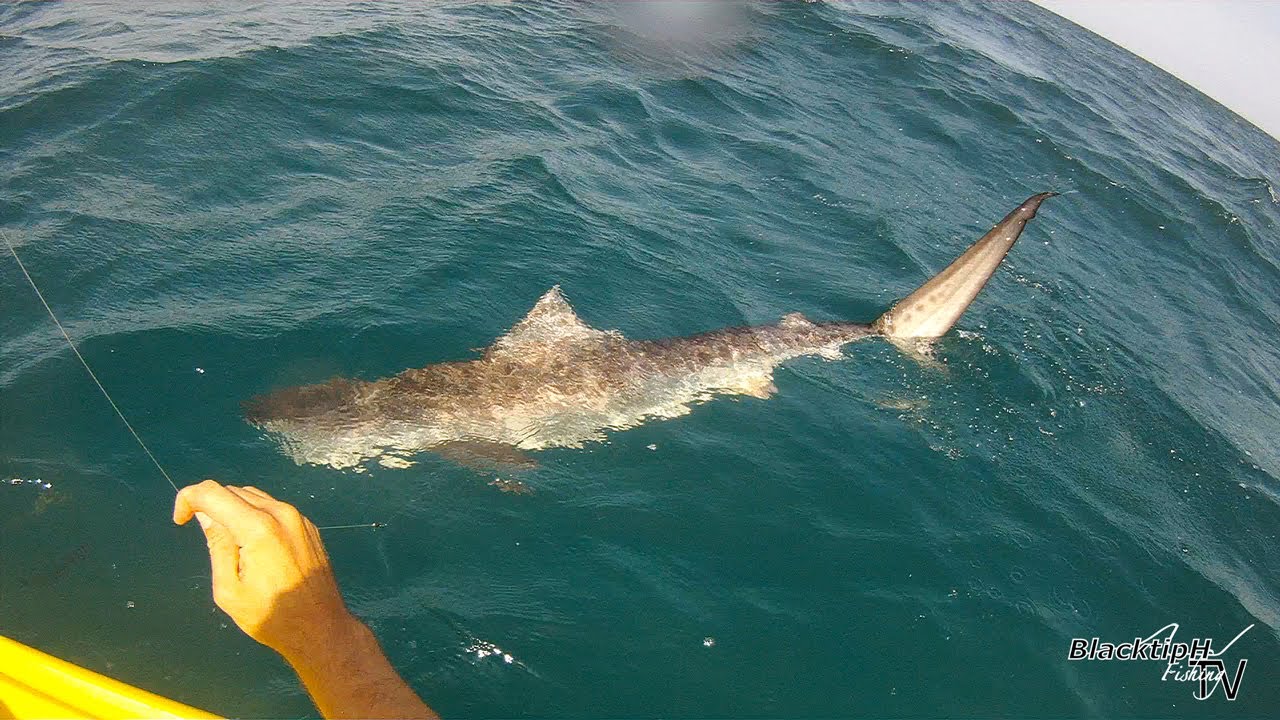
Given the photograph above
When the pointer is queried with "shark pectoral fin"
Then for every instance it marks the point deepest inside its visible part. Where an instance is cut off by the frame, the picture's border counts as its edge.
(484, 454)
(935, 306)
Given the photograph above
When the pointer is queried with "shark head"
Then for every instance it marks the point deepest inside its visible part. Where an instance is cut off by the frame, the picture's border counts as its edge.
(306, 402)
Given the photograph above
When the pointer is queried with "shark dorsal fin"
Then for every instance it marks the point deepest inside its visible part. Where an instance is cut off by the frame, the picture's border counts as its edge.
(551, 322)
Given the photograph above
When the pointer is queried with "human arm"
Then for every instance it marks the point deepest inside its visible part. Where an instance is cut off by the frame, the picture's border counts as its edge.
(272, 576)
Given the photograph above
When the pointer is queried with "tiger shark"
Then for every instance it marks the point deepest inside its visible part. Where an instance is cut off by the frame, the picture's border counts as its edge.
(554, 381)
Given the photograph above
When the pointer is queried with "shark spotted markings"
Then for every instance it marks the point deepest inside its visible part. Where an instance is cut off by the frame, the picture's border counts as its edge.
(554, 381)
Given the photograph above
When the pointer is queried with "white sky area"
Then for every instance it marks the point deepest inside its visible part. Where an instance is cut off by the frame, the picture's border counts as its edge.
(1227, 49)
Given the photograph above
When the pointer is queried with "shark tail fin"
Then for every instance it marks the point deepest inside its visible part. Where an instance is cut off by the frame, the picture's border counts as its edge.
(934, 307)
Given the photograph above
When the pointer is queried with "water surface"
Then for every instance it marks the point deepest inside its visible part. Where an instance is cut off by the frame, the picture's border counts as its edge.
(220, 202)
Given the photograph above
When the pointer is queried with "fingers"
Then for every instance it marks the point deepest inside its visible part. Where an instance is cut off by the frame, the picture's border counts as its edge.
(286, 514)
(260, 500)
(239, 510)
(224, 554)
(260, 494)
(220, 504)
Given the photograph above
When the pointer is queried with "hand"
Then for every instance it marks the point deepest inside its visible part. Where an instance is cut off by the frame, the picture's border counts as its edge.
(270, 570)
(272, 576)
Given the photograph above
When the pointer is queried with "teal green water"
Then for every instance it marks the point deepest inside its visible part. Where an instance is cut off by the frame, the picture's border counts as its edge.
(222, 202)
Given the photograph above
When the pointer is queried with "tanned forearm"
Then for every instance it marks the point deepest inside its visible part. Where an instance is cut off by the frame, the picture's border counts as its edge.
(350, 677)
(272, 575)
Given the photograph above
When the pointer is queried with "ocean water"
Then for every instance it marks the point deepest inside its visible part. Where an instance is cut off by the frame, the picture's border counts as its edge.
(223, 201)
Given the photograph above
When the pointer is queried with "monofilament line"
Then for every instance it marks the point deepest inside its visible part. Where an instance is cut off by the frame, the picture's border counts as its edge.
(375, 526)
(87, 369)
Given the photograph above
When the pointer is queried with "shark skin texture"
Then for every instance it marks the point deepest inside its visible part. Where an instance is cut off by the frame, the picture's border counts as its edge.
(554, 381)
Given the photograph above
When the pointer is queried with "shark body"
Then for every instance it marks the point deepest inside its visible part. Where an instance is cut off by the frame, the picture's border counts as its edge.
(554, 381)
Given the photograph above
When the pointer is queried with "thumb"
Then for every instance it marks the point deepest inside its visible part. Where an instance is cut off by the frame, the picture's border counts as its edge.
(224, 554)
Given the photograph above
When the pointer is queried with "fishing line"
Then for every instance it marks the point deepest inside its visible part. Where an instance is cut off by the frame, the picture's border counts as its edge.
(376, 526)
(87, 369)
(107, 395)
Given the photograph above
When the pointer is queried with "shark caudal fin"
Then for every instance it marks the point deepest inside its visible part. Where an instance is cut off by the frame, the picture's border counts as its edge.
(934, 307)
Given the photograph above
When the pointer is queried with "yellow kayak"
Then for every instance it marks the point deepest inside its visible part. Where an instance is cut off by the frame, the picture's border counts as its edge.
(36, 685)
